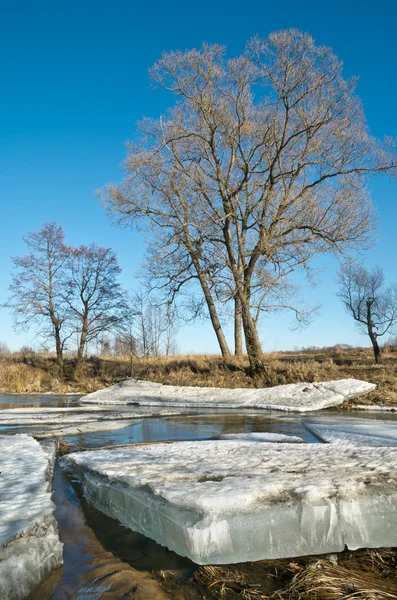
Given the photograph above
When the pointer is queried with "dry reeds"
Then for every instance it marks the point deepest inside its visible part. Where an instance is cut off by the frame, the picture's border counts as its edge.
(39, 372)
(363, 575)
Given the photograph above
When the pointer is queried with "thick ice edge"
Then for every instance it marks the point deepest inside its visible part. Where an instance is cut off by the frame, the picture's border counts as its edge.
(29, 542)
(354, 432)
(78, 414)
(234, 501)
(299, 397)
(262, 437)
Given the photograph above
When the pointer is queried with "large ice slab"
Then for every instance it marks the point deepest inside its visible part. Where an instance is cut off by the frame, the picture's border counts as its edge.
(262, 437)
(72, 429)
(78, 414)
(233, 501)
(299, 397)
(29, 542)
(356, 432)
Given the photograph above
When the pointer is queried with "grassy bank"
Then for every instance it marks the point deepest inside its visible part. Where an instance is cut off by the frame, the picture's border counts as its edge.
(365, 574)
(39, 372)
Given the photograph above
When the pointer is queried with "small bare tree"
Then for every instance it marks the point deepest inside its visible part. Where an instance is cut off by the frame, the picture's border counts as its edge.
(259, 166)
(372, 305)
(37, 288)
(4, 348)
(94, 296)
(153, 326)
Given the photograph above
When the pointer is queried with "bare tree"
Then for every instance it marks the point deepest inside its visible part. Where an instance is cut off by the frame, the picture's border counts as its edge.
(37, 288)
(259, 166)
(372, 305)
(4, 348)
(93, 294)
(152, 325)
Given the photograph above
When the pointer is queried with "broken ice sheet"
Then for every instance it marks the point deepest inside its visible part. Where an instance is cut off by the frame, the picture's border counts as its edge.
(29, 543)
(233, 501)
(352, 431)
(78, 414)
(301, 397)
(262, 437)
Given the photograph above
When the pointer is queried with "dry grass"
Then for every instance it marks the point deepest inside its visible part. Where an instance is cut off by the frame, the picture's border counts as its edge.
(365, 575)
(39, 373)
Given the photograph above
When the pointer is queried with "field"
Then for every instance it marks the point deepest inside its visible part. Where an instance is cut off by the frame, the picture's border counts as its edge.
(33, 372)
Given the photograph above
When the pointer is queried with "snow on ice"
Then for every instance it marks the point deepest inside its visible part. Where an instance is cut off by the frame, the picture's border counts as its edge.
(227, 501)
(262, 437)
(79, 414)
(356, 432)
(29, 542)
(299, 397)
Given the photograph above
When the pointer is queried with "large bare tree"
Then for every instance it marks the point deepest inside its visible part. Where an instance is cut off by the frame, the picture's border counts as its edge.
(38, 284)
(371, 304)
(260, 165)
(95, 298)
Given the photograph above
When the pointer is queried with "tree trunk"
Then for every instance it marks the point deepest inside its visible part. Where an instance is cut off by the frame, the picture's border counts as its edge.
(82, 343)
(375, 346)
(80, 350)
(253, 345)
(212, 310)
(238, 338)
(59, 351)
(373, 336)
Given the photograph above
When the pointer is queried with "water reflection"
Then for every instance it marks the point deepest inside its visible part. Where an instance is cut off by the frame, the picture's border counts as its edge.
(103, 559)
(37, 400)
(194, 427)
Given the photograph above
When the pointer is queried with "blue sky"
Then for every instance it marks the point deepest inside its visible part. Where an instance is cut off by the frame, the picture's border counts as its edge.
(74, 83)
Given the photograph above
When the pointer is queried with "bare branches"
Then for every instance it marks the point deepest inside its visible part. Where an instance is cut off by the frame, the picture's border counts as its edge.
(37, 286)
(372, 305)
(260, 165)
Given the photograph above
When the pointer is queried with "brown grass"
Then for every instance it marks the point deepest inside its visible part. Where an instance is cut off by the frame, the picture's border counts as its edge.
(39, 373)
(365, 575)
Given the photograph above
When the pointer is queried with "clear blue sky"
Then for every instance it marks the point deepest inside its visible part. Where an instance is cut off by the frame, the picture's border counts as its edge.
(74, 83)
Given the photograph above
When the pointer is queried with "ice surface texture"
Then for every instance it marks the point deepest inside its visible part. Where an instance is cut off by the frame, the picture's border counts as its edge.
(29, 542)
(299, 397)
(233, 501)
(79, 414)
(355, 432)
(262, 437)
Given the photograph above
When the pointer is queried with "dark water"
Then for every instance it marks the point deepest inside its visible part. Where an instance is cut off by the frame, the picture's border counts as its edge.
(103, 559)
(194, 427)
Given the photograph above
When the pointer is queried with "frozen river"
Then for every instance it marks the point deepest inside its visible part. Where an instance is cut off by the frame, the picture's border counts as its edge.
(96, 545)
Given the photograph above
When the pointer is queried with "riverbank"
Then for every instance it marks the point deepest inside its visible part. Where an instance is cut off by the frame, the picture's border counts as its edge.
(38, 373)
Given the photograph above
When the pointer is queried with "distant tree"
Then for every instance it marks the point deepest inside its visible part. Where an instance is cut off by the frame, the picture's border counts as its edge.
(95, 298)
(153, 326)
(372, 305)
(4, 349)
(38, 285)
(392, 341)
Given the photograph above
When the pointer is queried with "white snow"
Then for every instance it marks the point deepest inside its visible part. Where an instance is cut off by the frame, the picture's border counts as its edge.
(79, 414)
(29, 543)
(356, 432)
(262, 437)
(299, 397)
(227, 501)
(81, 428)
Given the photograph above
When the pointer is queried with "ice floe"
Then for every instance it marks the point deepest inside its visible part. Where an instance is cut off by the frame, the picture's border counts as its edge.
(299, 397)
(262, 437)
(72, 429)
(232, 501)
(79, 414)
(29, 542)
(356, 432)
